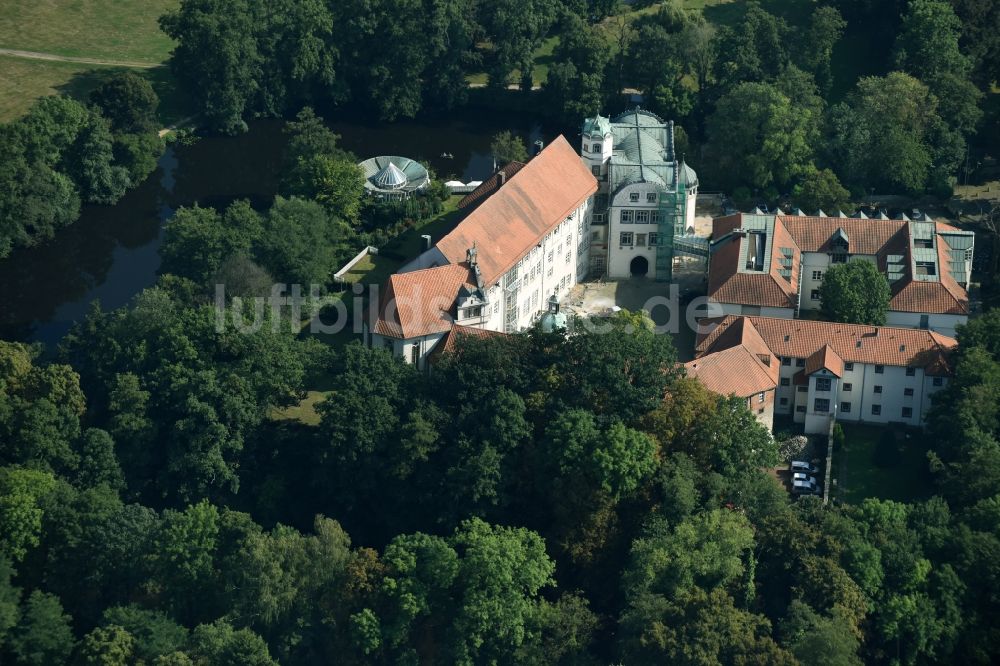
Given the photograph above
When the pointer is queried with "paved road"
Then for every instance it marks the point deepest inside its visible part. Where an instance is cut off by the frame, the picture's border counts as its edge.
(34, 55)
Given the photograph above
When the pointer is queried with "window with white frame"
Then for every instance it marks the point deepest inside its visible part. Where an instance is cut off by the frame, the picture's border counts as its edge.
(633, 196)
(650, 197)
(598, 218)
(642, 217)
(654, 217)
(569, 256)
(625, 238)
(628, 216)
(823, 384)
(821, 405)
(654, 239)
(817, 275)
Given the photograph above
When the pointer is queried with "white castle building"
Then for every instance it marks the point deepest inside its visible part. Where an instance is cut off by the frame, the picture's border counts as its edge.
(646, 197)
(525, 241)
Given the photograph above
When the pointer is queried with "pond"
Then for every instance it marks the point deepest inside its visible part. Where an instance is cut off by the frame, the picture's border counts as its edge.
(111, 253)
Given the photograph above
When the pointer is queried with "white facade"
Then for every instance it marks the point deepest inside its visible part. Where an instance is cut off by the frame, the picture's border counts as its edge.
(551, 267)
(639, 177)
(864, 394)
(518, 299)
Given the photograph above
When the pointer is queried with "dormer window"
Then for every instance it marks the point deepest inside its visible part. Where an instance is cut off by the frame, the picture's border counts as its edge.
(839, 246)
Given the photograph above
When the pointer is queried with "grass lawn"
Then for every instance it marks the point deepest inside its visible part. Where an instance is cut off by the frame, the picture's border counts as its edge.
(23, 81)
(106, 29)
(124, 30)
(304, 412)
(543, 58)
(859, 475)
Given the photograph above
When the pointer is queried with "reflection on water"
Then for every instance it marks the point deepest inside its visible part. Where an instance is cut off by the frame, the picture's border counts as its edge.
(111, 252)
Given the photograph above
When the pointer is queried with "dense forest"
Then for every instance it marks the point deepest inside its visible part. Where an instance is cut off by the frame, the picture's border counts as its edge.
(64, 153)
(763, 99)
(536, 499)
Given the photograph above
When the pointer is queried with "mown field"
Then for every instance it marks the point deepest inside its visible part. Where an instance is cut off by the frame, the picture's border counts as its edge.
(105, 29)
(113, 30)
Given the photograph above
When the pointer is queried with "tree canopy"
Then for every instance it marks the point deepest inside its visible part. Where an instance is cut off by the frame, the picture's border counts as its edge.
(855, 293)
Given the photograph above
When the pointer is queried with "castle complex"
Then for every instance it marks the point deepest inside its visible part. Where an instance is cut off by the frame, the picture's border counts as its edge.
(624, 207)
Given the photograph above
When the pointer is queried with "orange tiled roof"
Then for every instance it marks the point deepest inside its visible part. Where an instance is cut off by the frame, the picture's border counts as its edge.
(866, 236)
(875, 237)
(945, 296)
(727, 285)
(853, 343)
(420, 302)
(735, 371)
(508, 224)
(450, 339)
(825, 359)
(489, 186)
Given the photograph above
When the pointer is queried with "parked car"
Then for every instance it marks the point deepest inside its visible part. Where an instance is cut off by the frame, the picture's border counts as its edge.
(803, 466)
(804, 488)
(802, 476)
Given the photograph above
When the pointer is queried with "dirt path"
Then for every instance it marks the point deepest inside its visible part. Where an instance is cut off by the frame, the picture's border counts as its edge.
(34, 55)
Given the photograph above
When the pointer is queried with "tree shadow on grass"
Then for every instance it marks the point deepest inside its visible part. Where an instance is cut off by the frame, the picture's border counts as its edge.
(175, 103)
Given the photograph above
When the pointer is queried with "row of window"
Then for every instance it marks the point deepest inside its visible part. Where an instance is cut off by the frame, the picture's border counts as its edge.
(639, 240)
(823, 385)
(651, 197)
(849, 367)
(640, 216)
(822, 406)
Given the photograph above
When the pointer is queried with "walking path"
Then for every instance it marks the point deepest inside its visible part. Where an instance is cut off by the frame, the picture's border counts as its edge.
(34, 55)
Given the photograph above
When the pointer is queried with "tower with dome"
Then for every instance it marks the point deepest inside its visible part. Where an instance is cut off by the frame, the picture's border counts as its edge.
(646, 196)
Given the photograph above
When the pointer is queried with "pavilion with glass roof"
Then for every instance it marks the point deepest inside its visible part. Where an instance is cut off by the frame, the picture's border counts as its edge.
(394, 177)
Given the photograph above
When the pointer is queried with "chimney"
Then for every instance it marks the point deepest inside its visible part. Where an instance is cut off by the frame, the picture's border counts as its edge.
(427, 241)
(501, 177)
(538, 146)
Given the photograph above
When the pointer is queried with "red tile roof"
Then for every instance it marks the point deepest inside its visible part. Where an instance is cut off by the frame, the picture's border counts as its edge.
(727, 285)
(450, 339)
(489, 186)
(853, 343)
(735, 371)
(420, 302)
(813, 234)
(825, 359)
(875, 237)
(508, 224)
(945, 296)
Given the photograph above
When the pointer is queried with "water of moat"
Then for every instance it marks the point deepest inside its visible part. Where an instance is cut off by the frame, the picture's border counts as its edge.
(111, 253)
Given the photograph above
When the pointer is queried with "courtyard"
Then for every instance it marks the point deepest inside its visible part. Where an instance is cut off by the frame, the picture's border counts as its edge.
(602, 297)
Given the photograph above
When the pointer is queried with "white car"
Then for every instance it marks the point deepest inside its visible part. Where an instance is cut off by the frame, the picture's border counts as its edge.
(803, 466)
(802, 476)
